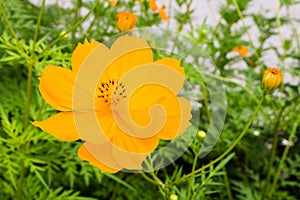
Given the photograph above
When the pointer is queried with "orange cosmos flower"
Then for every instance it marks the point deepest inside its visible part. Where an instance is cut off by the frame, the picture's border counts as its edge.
(153, 6)
(242, 50)
(126, 21)
(272, 78)
(118, 101)
(162, 13)
(113, 2)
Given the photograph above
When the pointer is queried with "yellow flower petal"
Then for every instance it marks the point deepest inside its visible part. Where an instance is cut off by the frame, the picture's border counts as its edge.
(132, 144)
(126, 53)
(56, 87)
(271, 80)
(172, 63)
(129, 160)
(81, 52)
(61, 126)
(85, 152)
(178, 115)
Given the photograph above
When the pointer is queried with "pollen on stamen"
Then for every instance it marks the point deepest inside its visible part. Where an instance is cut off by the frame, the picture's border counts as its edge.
(111, 92)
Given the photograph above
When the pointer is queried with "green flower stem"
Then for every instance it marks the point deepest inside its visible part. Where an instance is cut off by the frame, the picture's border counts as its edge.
(228, 80)
(71, 29)
(247, 31)
(227, 184)
(205, 98)
(283, 157)
(182, 23)
(169, 14)
(78, 5)
(30, 63)
(12, 31)
(278, 23)
(192, 180)
(273, 152)
(149, 179)
(155, 180)
(241, 135)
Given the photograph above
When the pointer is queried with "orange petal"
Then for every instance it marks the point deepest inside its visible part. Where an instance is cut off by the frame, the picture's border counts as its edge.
(152, 5)
(173, 63)
(106, 122)
(61, 126)
(133, 144)
(126, 53)
(129, 160)
(89, 154)
(162, 13)
(56, 87)
(176, 119)
(81, 52)
(242, 50)
(149, 95)
(178, 116)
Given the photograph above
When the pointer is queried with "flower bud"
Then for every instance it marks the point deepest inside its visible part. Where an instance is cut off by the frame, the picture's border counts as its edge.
(126, 21)
(113, 2)
(152, 5)
(201, 134)
(271, 80)
(173, 197)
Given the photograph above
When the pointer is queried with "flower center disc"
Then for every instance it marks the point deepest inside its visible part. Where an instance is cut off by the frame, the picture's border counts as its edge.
(111, 92)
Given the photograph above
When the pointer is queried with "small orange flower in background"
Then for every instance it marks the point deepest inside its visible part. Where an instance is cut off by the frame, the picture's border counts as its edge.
(162, 13)
(113, 2)
(118, 101)
(153, 5)
(271, 80)
(242, 50)
(126, 21)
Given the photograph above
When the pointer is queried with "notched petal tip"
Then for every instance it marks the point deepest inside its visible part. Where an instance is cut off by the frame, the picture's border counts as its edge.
(81, 52)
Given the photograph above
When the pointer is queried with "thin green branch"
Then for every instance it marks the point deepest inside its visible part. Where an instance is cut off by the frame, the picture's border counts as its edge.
(78, 5)
(228, 150)
(10, 28)
(192, 180)
(70, 29)
(227, 184)
(30, 63)
(273, 152)
(247, 31)
(284, 155)
(228, 80)
(278, 23)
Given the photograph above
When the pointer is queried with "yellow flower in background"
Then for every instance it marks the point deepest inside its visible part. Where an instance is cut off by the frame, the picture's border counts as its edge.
(162, 13)
(126, 21)
(241, 50)
(113, 2)
(118, 101)
(271, 80)
(153, 5)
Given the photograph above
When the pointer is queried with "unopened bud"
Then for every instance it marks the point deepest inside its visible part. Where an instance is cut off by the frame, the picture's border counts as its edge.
(271, 80)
